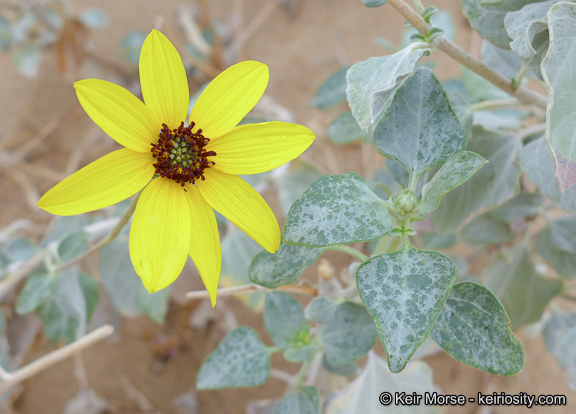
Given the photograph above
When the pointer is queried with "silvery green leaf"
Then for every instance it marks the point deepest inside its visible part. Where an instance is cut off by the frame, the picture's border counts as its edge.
(500, 120)
(63, 312)
(350, 334)
(479, 88)
(516, 283)
(283, 267)
(433, 241)
(91, 290)
(419, 129)
(536, 162)
(284, 320)
(336, 209)
(73, 246)
(344, 129)
(557, 245)
(559, 72)
(371, 82)
(492, 184)
(455, 171)
(320, 310)
(305, 400)
(487, 18)
(240, 360)
(404, 293)
(21, 249)
(302, 354)
(559, 323)
(505, 62)
(361, 395)
(36, 290)
(399, 173)
(129, 297)
(373, 3)
(294, 183)
(474, 329)
(332, 91)
(345, 370)
(66, 226)
(522, 25)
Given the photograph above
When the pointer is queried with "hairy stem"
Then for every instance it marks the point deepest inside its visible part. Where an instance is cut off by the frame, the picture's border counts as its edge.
(461, 56)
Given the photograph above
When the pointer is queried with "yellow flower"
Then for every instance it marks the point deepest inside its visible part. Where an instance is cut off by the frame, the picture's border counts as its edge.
(186, 172)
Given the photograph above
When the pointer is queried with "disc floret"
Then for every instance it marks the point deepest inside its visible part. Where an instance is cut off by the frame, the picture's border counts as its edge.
(180, 154)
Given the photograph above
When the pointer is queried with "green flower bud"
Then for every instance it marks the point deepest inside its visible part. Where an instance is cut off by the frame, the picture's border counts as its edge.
(406, 201)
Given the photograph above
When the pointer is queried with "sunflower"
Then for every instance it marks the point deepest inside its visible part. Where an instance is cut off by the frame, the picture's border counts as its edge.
(185, 171)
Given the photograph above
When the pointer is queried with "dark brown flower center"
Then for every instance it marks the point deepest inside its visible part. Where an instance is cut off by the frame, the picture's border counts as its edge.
(180, 154)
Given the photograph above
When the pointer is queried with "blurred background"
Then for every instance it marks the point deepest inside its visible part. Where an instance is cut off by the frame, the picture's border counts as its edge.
(146, 366)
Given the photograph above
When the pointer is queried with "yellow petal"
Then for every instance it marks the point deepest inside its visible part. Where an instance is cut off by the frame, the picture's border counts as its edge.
(106, 181)
(119, 113)
(160, 234)
(255, 148)
(163, 80)
(229, 97)
(205, 245)
(242, 205)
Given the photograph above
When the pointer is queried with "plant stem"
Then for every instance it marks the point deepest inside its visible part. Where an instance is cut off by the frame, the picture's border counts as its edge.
(239, 290)
(300, 376)
(10, 379)
(495, 104)
(108, 238)
(351, 251)
(455, 52)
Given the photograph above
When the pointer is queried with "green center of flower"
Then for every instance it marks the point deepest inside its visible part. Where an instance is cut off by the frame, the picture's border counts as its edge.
(180, 154)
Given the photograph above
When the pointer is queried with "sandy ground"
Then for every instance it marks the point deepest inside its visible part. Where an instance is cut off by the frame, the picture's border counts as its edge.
(302, 45)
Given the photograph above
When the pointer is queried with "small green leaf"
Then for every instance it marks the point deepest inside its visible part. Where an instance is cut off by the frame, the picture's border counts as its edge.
(320, 310)
(21, 249)
(336, 209)
(419, 129)
(240, 360)
(64, 312)
(349, 336)
(303, 354)
(333, 91)
(36, 290)
(515, 282)
(559, 72)
(493, 184)
(373, 3)
(345, 370)
(557, 245)
(306, 400)
(344, 130)
(73, 246)
(536, 162)
(372, 81)
(91, 290)
(457, 170)
(404, 292)
(283, 267)
(284, 320)
(474, 329)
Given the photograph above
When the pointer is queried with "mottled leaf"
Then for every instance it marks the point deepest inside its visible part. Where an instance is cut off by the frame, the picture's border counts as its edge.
(336, 209)
(283, 267)
(332, 91)
(371, 82)
(344, 129)
(361, 395)
(516, 283)
(492, 184)
(284, 320)
(536, 162)
(559, 72)
(419, 129)
(240, 360)
(474, 329)
(455, 171)
(350, 334)
(404, 292)
(488, 19)
(320, 310)
(305, 400)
